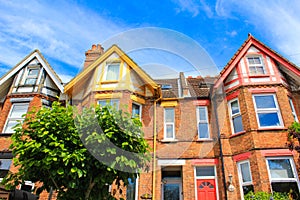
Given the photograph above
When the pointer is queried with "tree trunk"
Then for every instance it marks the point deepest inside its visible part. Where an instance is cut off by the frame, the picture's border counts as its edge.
(89, 189)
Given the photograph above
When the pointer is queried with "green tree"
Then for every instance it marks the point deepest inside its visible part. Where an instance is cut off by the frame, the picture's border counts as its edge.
(78, 155)
(294, 137)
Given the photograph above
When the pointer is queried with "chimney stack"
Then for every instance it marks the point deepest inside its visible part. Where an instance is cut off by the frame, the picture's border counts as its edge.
(93, 54)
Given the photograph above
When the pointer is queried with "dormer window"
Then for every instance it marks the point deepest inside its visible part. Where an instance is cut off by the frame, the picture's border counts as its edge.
(166, 87)
(256, 66)
(112, 72)
(32, 76)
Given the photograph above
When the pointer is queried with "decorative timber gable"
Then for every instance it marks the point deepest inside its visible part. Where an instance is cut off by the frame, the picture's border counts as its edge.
(256, 64)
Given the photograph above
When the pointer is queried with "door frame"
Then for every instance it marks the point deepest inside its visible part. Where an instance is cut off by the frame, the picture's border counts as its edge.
(172, 181)
(206, 177)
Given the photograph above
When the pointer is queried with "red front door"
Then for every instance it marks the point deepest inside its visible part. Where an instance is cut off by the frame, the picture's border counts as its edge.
(206, 189)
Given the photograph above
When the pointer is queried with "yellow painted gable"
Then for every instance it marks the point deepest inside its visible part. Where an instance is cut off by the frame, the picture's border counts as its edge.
(131, 77)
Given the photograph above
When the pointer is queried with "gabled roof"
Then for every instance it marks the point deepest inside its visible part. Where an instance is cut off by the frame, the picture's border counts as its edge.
(252, 41)
(113, 49)
(34, 54)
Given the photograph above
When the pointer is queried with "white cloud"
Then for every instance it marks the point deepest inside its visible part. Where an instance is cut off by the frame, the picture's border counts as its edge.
(65, 78)
(278, 22)
(194, 7)
(63, 36)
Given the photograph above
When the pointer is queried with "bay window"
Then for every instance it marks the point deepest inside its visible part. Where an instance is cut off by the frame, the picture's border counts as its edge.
(267, 110)
(15, 115)
(283, 176)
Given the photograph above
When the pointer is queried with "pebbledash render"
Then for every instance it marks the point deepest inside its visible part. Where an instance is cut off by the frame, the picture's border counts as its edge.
(213, 137)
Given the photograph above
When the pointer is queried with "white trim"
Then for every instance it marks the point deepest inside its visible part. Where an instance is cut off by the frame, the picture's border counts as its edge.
(232, 116)
(202, 121)
(295, 179)
(241, 183)
(44, 65)
(15, 119)
(293, 109)
(267, 110)
(171, 162)
(169, 123)
(256, 65)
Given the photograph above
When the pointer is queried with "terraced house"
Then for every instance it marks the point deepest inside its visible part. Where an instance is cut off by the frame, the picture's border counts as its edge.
(213, 137)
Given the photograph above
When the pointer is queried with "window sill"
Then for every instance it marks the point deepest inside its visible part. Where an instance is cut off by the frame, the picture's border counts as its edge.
(259, 76)
(169, 140)
(108, 82)
(237, 134)
(6, 134)
(272, 128)
(204, 140)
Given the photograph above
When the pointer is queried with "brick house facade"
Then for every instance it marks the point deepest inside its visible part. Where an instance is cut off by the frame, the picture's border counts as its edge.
(212, 137)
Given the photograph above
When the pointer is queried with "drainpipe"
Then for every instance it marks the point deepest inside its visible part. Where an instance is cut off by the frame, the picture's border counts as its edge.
(221, 149)
(154, 149)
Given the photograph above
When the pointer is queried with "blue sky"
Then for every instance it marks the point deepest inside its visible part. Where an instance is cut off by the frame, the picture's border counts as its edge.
(64, 30)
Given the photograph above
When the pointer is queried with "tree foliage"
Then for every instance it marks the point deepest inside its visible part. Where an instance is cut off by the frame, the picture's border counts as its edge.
(266, 196)
(294, 137)
(78, 154)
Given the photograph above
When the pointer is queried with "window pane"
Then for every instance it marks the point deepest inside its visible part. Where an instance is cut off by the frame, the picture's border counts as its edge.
(265, 101)
(235, 107)
(30, 81)
(205, 171)
(268, 119)
(112, 72)
(202, 114)
(247, 189)
(260, 70)
(33, 72)
(169, 131)
(245, 170)
(9, 126)
(238, 124)
(203, 130)
(286, 187)
(5, 164)
(135, 110)
(130, 190)
(280, 168)
(112, 102)
(18, 110)
(171, 191)
(169, 114)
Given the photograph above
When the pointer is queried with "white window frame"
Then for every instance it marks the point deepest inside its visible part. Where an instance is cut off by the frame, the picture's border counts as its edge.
(29, 183)
(27, 76)
(232, 116)
(242, 183)
(105, 78)
(203, 122)
(267, 110)
(256, 65)
(169, 123)
(276, 180)
(140, 110)
(14, 118)
(293, 110)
